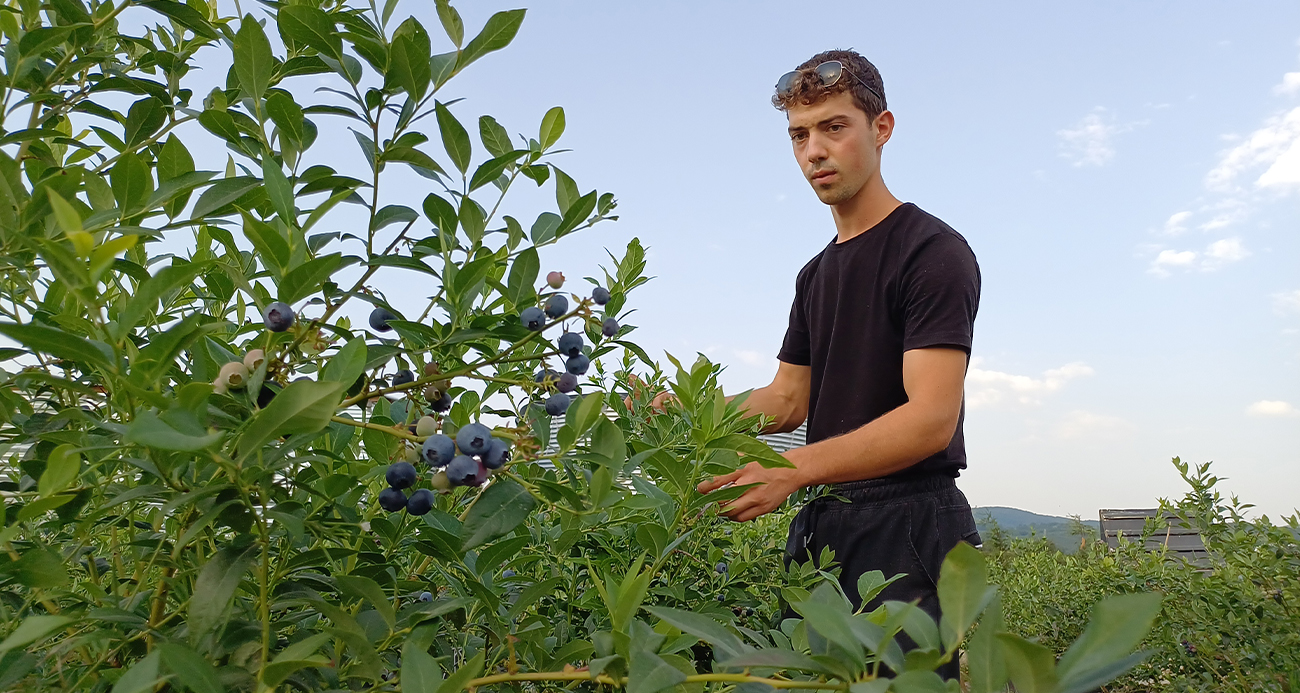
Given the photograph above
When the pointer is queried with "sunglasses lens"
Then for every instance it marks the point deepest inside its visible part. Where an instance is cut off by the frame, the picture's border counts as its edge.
(829, 72)
(785, 85)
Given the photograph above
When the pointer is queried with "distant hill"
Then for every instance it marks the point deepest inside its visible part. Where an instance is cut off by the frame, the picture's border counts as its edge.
(1022, 523)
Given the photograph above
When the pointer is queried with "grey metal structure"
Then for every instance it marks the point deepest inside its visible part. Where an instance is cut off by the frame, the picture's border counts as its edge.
(1172, 534)
(786, 441)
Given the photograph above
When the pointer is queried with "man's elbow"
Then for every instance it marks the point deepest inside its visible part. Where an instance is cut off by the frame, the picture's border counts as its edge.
(938, 433)
(792, 420)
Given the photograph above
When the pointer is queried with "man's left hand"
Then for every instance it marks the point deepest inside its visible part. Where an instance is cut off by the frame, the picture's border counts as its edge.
(773, 487)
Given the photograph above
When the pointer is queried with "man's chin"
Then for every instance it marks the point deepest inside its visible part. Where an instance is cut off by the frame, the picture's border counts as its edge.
(832, 195)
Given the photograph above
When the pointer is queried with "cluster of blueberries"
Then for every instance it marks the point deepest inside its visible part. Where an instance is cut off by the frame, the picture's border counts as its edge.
(465, 461)
(569, 344)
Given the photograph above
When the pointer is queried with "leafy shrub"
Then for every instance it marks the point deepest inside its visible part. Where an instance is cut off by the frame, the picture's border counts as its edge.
(198, 436)
(1231, 627)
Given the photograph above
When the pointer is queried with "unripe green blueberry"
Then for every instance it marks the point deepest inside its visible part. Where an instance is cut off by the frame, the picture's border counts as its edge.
(426, 426)
(554, 280)
(411, 454)
(439, 481)
(234, 375)
(253, 359)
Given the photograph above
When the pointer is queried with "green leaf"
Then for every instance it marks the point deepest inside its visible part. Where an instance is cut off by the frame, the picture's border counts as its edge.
(408, 60)
(39, 568)
(221, 194)
(728, 644)
(33, 629)
(61, 469)
(988, 671)
(143, 119)
(523, 275)
(144, 300)
(872, 583)
(365, 588)
(278, 189)
(37, 41)
(307, 278)
(131, 182)
(441, 213)
(544, 228)
(491, 169)
(59, 344)
(184, 15)
(299, 655)
(495, 138)
(776, 659)
(192, 670)
(495, 513)
(649, 673)
(1031, 666)
(915, 622)
(420, 672)
(918, 682)
(150, 431)
(286, 114)
(310, 27)
(142, 677)
(499, 31)
(215, 587)
(393, 214)
(253, 59)
(963, 592)
(272, 248)
(454, 138)
(451, 22)
(65, 215)
(1118, 624)
(456, 682)
(588, 411)
(577, 213)
(302, 407)
(552, 127)
(751, 448)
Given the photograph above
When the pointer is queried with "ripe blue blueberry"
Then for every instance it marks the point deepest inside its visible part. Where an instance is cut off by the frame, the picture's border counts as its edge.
(578, 364)
(557, 404)
(379, 318)
(420, 502)
(443, 404)
(600, 295)
(392, 500)
(567, 383)
(278, 317)
(533, 318)
(720, 567)
(401, 475)
(403, 377)
(609, 328)
(426, 596)
(497, 454)
(556, 306)
(721, 598)
(507, 573)
(438, 450)
(464, 471)
(569, 344)
(473, 439)
(546, 377)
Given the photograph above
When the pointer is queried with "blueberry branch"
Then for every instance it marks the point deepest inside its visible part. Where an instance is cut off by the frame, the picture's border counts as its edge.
(622, 681)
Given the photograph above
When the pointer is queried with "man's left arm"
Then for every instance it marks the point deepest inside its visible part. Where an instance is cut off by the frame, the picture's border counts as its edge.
(934, 380)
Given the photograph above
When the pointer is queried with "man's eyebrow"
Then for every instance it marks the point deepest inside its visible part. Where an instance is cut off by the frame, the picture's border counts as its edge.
(821, 123)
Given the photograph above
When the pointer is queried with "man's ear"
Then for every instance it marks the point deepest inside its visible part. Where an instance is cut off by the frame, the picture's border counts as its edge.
(884, 127)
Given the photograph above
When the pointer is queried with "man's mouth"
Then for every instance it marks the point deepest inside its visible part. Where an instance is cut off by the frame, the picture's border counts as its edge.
(822, 176)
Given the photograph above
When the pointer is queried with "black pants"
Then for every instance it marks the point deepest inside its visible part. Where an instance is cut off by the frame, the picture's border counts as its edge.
(905, 525)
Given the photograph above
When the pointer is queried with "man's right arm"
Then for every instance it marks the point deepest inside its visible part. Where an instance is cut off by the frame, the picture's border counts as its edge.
(785, 401)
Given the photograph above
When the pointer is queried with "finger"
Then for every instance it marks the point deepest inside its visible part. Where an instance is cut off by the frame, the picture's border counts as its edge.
(718, 482)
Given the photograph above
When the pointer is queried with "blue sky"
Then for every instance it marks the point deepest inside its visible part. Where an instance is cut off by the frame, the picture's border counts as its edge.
(1127, 174)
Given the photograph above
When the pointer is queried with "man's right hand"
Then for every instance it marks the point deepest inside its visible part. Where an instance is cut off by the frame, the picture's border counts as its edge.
(658, 403)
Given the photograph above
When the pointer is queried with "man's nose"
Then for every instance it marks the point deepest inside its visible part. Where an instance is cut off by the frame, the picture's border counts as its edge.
(815, 150)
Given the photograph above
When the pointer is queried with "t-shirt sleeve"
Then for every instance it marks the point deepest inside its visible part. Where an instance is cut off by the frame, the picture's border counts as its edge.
(796, 349)
(940, 295)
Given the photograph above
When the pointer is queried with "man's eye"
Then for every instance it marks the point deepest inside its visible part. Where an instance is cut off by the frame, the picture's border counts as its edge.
(836, 128)
(799, 137)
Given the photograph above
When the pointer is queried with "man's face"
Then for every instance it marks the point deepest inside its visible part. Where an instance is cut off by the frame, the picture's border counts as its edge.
(836, 146)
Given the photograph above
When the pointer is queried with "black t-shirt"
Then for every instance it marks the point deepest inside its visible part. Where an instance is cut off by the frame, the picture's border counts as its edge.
(909, 282)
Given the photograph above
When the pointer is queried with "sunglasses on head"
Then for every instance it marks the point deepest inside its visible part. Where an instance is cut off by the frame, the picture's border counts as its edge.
(828, 72)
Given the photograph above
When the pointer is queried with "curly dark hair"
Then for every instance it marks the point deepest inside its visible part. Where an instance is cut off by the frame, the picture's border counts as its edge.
(809, 89)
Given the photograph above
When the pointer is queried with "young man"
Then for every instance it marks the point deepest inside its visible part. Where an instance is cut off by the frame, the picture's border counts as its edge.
(874, 357)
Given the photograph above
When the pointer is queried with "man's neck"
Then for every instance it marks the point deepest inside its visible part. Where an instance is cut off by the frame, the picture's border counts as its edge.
(859, 213)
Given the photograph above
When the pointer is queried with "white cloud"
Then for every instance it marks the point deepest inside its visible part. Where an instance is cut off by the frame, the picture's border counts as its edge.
(1287, 302)
(1275, 146)
(1290, 84)
(749, 357)
(986, 387)
(1217, 254)
(1176, 224)
(1085, 424)
(1273, 408)
(1089, 142)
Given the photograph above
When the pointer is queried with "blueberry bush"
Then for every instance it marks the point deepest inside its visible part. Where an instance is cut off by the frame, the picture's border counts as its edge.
(214, 479)
(1230, 625)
